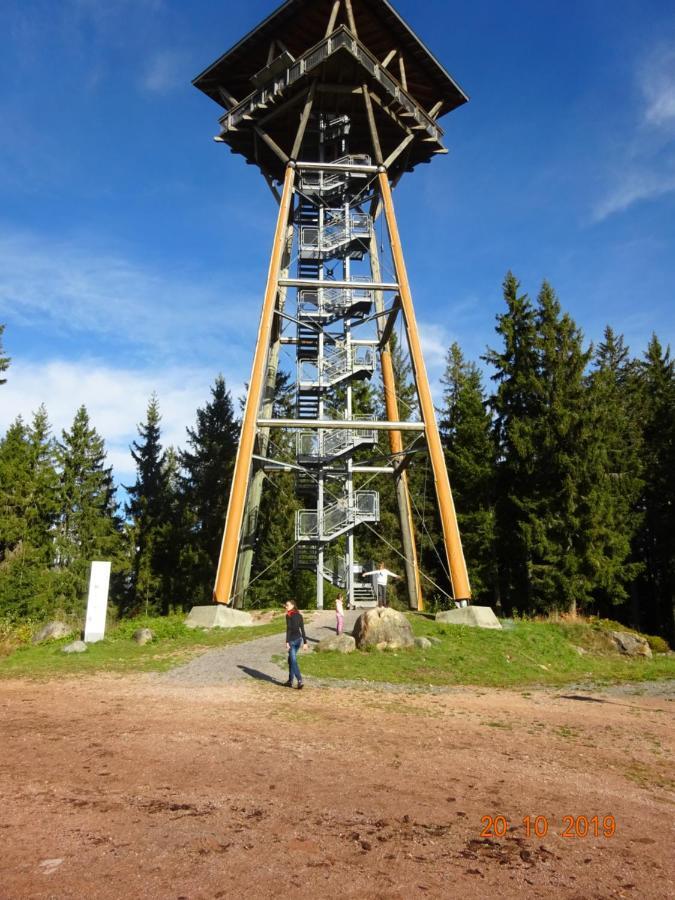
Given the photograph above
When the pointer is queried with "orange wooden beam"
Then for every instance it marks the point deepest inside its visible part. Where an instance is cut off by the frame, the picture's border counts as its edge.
(453, 543)
(242, 468)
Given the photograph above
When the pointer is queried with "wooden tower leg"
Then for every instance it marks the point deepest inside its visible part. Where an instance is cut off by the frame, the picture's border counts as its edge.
(250, 525)
(412, 573)
(242, 468)
(453, 544)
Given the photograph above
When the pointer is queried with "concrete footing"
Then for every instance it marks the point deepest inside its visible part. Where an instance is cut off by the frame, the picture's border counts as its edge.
(217, 616)
(477, 616)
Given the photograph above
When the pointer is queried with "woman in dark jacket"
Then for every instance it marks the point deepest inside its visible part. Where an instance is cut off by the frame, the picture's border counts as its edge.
(295, 638)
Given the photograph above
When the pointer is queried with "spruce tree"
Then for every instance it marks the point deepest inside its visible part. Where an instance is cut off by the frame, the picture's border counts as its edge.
(147, 511)
(4, 360)
(89, 526)
(615, 481)
(558, 529)
(516, 404)
(655, 541)
(28, 507)
(208, 464)
(466, 433)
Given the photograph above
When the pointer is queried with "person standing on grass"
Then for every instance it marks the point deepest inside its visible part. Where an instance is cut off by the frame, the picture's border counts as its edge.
(382, 576)
(295, 639)
(340, 614)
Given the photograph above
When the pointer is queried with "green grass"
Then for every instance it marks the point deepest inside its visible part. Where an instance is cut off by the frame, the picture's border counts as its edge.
(531, 653)
(174, 644)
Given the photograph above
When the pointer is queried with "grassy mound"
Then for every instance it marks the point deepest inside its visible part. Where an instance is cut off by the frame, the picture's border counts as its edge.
(174, 644)
(528, 653)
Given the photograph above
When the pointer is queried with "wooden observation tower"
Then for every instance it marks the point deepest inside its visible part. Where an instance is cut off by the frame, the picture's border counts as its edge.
(334, 100)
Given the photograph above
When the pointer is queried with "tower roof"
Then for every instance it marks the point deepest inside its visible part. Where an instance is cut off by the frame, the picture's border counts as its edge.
(297, 25)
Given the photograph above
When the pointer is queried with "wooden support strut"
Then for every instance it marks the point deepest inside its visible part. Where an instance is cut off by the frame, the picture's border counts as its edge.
(453, 544)
(242, 468)
(414, 583)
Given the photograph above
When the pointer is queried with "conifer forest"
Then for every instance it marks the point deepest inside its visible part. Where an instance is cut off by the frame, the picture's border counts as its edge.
(561, 456)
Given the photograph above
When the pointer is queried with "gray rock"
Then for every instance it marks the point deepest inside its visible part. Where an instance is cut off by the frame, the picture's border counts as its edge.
(435, 640)
(75, 647)
(476, 616)
(339, 643)
(143, 636)
(423, 643)
(631, 644)
(53, 631)
(217, 616)
(384, 628)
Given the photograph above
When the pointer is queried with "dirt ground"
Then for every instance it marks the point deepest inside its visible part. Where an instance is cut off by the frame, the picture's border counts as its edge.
(134, 787)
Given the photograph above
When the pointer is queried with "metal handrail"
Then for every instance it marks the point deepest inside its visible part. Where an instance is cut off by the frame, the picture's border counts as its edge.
(315, 56)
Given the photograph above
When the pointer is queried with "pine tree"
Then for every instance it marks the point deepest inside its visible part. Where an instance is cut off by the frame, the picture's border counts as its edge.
(89, 526)
(147, 511)
(466, 433)
(655, 540)
(516, 404)
(615, 482)
(558, 529)
(4, 360)
(208, 466)
(28, 504)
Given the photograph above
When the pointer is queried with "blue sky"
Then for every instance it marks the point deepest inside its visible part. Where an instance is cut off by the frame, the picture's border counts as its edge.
(133, 249)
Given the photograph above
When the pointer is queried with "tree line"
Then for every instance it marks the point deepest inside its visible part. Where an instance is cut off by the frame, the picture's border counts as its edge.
(561, 461)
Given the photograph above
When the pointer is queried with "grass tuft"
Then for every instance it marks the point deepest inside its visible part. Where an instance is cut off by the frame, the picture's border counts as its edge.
(530, 653)
(173, 644)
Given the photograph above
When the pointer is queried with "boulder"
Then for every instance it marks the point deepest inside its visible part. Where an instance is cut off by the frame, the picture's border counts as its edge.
(423, 643)
(339, 643)
(143, 636)
(217, 616)
(631, 644)
(476, 616)
(75, 647)
(434, 640)
(384, 628)
(53, 631)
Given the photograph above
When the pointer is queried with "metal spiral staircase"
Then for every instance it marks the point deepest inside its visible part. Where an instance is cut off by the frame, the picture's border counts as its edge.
(333, 231)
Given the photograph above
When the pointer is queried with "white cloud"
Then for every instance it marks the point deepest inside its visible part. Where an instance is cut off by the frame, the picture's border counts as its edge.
(116, 400)
(658, 86)
(73, 287)
(645, 169)
(636, 183)
(435, 342)
(165, 71)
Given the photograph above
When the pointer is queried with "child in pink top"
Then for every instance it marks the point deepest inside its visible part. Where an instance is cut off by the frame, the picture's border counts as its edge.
(340, 613)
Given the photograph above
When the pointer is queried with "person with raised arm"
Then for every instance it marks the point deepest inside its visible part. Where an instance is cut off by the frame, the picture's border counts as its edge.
(382, 576)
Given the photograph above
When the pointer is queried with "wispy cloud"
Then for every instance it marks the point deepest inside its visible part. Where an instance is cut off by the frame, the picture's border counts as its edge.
(635, 184)
(165, 71)
(435, 341)
(72, 286)
(658, 87)
(645, 170)
(116, 399)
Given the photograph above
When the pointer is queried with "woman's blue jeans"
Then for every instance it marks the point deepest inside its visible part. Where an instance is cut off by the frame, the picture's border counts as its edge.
(293, 667)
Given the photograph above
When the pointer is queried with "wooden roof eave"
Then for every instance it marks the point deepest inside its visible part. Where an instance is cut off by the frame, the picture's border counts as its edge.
(215, 74)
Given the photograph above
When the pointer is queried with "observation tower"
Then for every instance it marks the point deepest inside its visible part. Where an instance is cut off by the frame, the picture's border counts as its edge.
(334, 101)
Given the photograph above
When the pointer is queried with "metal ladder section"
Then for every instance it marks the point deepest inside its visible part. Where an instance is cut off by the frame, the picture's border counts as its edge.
(334, 572)
(329, 184)
(338, 518)
(325, 305)
(342, 234)
(331, 227)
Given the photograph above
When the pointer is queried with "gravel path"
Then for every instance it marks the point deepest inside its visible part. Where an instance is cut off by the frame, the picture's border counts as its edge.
(253, 659)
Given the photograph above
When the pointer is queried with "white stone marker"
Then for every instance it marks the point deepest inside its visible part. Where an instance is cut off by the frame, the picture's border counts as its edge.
(97, 602)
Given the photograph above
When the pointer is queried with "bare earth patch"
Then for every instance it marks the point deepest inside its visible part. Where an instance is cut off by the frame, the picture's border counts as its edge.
(134, 787)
